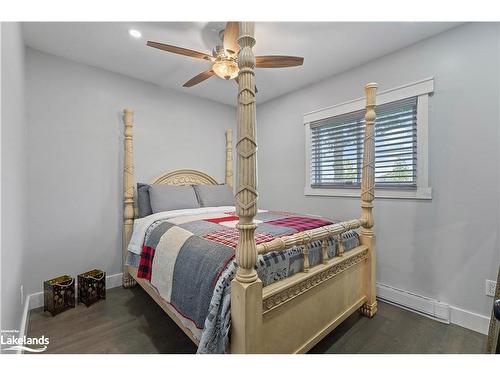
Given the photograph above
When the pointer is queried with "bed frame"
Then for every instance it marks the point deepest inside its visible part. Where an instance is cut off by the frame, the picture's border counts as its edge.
(292, 315)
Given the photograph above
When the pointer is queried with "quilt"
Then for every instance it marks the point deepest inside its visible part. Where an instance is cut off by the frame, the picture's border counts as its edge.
(189, 258)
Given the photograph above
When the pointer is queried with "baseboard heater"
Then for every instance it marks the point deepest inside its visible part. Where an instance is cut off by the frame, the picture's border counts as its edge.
(428, 307)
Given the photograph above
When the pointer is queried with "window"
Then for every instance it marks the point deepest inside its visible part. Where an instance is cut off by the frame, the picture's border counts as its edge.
(337, 147)
(335, 141)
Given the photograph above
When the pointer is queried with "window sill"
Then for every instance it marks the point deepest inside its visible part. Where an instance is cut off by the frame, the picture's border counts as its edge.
(380, 193)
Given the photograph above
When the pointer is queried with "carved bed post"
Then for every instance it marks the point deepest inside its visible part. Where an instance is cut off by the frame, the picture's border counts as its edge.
(246, 288)
(128, 193)
(367, 194)
(229, 157)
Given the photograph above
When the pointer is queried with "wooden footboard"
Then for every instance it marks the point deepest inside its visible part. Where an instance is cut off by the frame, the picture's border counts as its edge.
(292, 315)
(299, 311)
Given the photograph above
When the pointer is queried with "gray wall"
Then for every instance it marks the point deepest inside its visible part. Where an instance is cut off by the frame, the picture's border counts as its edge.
(13, 173)
(75, 157)
(444, 248)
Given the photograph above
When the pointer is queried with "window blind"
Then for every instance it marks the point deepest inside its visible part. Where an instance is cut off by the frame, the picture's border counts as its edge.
(337, 147)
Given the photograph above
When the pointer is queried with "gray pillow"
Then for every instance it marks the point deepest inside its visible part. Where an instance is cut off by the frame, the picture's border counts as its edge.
(143, 203)
(214, 195)
(170, 197)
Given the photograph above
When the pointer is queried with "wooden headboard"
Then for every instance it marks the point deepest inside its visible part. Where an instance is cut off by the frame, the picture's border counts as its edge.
(183, 177)
(178, 177)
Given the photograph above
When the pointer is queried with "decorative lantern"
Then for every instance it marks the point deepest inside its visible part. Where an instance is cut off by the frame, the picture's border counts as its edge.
(59, 294)
(91, 287)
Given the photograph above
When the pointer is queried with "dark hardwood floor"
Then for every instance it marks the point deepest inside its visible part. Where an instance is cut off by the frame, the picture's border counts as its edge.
(128, 321)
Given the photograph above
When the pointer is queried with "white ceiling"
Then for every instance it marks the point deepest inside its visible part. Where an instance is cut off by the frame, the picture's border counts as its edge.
(328, 48)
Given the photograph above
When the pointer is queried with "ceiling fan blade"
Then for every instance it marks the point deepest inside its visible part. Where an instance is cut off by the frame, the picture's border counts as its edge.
(278, 61)
(199, 78)
(231, 34)
(180, 50)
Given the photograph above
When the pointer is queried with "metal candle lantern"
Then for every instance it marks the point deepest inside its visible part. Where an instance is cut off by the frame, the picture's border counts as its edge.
(59, 294)
(91, 287)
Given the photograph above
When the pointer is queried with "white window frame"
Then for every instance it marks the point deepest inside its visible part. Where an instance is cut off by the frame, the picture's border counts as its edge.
(421, 89)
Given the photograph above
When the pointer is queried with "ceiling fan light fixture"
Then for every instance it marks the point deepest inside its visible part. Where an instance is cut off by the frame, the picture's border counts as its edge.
(226, 69)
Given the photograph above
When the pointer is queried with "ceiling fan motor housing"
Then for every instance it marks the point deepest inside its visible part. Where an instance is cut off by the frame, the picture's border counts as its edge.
(218, 51)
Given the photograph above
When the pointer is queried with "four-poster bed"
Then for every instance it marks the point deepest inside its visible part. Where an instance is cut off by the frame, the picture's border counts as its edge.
(293, 314)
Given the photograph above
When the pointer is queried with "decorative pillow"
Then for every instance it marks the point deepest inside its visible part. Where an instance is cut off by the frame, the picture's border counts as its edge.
(143, 202)
(214, 195)
(170, 197)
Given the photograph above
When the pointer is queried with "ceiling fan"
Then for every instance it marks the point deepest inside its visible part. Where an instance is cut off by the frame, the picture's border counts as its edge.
(224, 57)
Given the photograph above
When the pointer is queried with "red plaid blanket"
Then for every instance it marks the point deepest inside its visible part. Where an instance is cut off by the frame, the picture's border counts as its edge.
(300, 223)
(146, 264)
(230, 236)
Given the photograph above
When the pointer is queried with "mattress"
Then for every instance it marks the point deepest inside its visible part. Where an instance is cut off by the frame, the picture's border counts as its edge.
(188, 256)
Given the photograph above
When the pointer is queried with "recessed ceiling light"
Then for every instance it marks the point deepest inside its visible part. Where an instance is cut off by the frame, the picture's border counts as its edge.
(135, 33)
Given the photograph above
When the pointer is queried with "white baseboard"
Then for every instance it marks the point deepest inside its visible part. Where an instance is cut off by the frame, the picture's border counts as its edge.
(36, 299)
(23, 327)
(113, 281)
(433, 309)
(470, 320)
